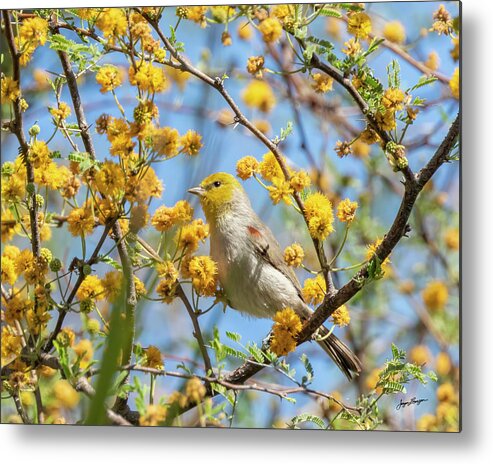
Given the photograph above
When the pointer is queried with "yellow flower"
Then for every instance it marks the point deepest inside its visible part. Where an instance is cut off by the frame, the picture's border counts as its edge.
(246, 167)
(255, 65)
(113, 23)
(179, 77)
(166, 141)
(190, 235)
(85, 351)
(452, 239)
(167, 270)
(435, 295)
(433, 61)
(446, 393)
(341, 316)
(269, 167)
(360, 149)
(203, 271)
(16, 308)
(346, 210)
(195, 14)
(32, 33)
(353, 47)
(270, 29)
(166, 289)
(386, 120)
(442, 23)
(294, 255)
(153, 358)
(13, 189)
(318, 212)
(443, 364)
(148, 77)
(245, 31)
(287, 325)
(369, 136)
(10, 89)
(91, 288)
(154, 415)
(109, 77)
(110, 179)
(191, 143)
(81, 221)
(195, 390)
(139, 217)
(426, 423)
(280, 190)
(166, 217)
(61, 113)
(300, 180)
(66, 337)
(39, 154)
(370, 252)
(342, 148)
(420, 355)
(141, 188)
(314, 290)
(359, 25)
(393, 99)
(322, 83)
(9, 256)
(259, 94)
(454, 84)
(226, 39)
(65, 394)
(394, 31)
(11, 345)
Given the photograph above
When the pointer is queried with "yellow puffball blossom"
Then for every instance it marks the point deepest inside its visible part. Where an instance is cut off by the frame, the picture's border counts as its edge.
(314, 290)
(442, 21)
(433, 61)
(110, 179)
(166, 289)
(109, 78)
(394, 31)
(148, 77)
(62, 112)
(167, 270)
(287, 325)
(203, 271)
(245, 30)
(141, 188)
(353, 47)
(443, 364)
(11, 344)
(166, 141)
(113, 23)
(322, 83)
(190, 235)
(91, 288)
(194, 13)
(65, 394)
(81, 221)
(294, 255)
(385, 120)
(39, 154)
(32, 33)
(154, 415)
(191, 143)
(341, 316)
(370, 252)
(153, 358)
(359, 25)
(259, 95)
(446, 393)
(255, 65)
(270, 29)
(280, 190)
(318, 212)
(300, 180)
(346, 210)
(85, 351)
(393, 99)
(435, 295)
(166, 217)
(454, 84)
(10, 89)
(360, 149)
(420, 355)
(269, 168)
(426, 423)
(452, 239)
(195, 390)
(246, 167)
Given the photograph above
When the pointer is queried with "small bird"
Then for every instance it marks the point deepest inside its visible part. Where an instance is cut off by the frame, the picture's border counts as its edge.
(251, 267)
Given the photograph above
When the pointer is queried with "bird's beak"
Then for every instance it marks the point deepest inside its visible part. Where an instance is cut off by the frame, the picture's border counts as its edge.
(199, 191)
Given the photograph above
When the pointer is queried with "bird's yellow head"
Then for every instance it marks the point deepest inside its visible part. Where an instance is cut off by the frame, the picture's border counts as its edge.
(218, 194)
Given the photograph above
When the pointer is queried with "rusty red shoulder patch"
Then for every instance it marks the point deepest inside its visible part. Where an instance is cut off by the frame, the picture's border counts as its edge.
(253, 231)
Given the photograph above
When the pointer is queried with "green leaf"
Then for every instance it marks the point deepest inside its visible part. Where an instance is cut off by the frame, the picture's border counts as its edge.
(236, 337)
(307, 379)
(330, 12)
(108, 260)
(319, 422)
(256, 352)
(423, 80)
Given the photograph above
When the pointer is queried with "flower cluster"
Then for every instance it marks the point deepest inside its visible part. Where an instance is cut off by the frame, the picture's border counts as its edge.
(287, 325)
(319, 215)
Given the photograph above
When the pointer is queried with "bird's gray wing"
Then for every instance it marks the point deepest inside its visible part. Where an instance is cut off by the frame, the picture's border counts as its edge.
(268, 249)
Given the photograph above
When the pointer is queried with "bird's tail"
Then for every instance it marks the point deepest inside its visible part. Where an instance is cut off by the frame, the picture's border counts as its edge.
(345, 359)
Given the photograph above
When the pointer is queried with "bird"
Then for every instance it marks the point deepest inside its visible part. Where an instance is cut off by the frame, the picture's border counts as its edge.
(250, 264)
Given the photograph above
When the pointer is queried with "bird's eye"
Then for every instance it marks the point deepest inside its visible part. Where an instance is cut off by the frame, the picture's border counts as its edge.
(217, 184)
